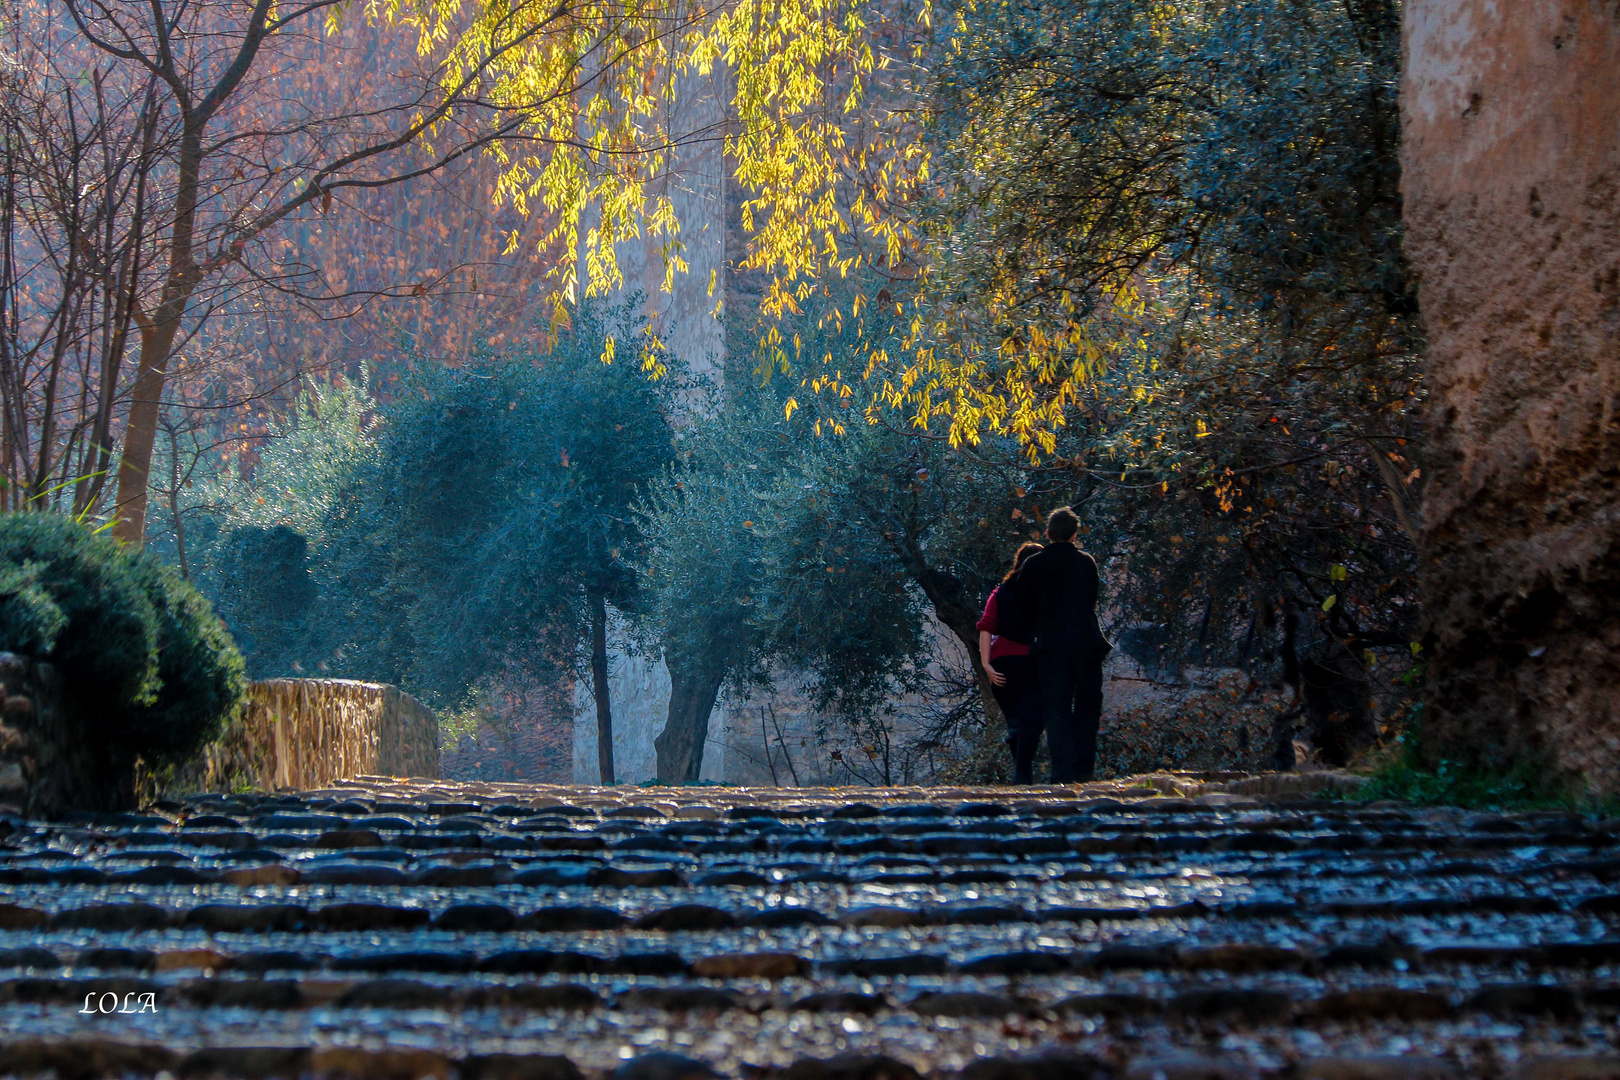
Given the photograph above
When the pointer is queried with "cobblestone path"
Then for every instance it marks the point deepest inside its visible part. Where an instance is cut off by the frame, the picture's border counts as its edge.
(409, 928)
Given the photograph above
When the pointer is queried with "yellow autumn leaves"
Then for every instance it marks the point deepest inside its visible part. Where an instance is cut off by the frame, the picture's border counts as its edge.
(831, 160)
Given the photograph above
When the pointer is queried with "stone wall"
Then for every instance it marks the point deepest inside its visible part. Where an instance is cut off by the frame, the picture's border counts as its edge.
(294, 733)
(43, 769)
(1511, 163)
(311, 733)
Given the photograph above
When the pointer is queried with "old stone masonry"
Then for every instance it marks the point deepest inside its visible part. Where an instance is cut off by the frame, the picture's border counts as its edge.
(1176, 928)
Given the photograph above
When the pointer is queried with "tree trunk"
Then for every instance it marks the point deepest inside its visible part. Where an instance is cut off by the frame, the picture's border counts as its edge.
(135, 462)
(175, 517)
(1510, 156)
(158, 335)
(157, 341)
(944, 593)
(599, 689)
(693, 688)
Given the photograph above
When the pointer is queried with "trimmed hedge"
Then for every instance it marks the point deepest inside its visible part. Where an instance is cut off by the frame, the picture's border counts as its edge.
(149, 670)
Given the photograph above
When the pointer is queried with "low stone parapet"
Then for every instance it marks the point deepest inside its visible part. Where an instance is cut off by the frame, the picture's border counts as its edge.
(293, 734)
(309, 733)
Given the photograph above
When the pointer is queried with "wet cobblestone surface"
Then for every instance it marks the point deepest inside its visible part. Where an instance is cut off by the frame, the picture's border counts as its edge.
(412, 928)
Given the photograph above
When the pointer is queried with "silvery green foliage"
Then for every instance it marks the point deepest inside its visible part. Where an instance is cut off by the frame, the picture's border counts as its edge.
(265, 544)
(440, 537)
(508, 485)
(307, 463)
(815, 545)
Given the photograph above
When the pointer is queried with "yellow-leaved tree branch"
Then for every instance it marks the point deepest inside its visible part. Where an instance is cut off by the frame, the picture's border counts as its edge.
(827, 135)
(832, 131)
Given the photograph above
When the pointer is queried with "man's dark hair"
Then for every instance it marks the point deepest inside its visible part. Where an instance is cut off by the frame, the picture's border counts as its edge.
(1062, 524)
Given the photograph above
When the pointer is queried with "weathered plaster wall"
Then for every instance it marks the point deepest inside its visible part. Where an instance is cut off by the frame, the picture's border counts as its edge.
(1511, 162)
(685, 316)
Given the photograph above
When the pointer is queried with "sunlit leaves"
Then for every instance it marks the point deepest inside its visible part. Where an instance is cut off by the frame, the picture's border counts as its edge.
(598, 85)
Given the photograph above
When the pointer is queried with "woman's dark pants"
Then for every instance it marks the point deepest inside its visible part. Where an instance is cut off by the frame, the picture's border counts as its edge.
(1022, 710)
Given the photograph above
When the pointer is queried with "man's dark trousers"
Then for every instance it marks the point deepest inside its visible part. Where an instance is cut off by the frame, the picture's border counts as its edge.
(1057, 592)
(1069, 684)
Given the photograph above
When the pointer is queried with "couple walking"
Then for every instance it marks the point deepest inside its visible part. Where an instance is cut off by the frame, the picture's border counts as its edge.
(1043, 651)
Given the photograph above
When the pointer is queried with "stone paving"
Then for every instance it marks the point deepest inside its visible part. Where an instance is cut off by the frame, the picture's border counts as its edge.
(1172, 927)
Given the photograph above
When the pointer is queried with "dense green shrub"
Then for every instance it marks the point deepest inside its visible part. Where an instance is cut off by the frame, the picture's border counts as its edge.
(149, 668)
(30, 617)
(260, 578)
(201, 676)
(106, 643)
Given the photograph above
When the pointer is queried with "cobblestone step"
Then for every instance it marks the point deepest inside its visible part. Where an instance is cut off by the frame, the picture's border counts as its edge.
(1178, 926)
(300, 989)
(438, 956)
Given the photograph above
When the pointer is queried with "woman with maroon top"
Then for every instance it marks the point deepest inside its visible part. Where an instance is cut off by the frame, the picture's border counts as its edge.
(1004, 651)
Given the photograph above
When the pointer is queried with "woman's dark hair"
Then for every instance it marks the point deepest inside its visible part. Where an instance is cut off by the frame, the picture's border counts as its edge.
(1024, 552)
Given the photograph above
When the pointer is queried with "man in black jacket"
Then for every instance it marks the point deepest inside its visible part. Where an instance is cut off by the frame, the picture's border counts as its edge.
(1056, 595)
